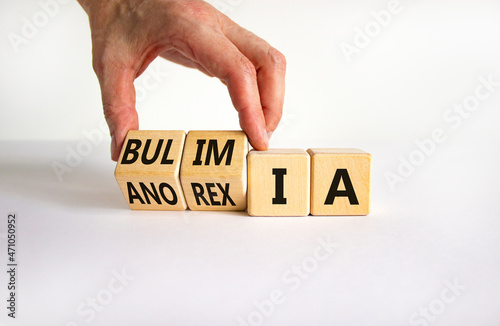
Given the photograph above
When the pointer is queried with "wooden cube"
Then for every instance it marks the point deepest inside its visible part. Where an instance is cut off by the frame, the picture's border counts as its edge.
(278, 182)
(340, 181)
(213, 170)
(148, 170)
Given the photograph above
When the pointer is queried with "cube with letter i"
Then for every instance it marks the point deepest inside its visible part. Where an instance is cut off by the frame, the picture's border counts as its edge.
(148, 170)
(278, 182)
(213, 170)
(340, 181)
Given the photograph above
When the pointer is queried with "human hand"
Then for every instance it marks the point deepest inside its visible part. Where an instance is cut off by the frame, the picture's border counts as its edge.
(127, 35)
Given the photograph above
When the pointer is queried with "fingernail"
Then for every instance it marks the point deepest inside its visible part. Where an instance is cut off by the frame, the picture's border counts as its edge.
(269, 135)
(266, 138)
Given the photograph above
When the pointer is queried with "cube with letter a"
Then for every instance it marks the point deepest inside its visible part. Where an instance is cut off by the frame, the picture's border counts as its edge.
(148, 170)
(340, 181)
(213, 170)
(278, 182)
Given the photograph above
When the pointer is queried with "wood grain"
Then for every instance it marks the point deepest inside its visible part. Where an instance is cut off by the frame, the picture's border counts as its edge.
(325, 164)
(211, 185)
(265, 170)
(156, 184)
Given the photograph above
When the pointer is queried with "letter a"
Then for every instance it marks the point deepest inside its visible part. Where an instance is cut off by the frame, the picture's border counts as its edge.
(334, 188)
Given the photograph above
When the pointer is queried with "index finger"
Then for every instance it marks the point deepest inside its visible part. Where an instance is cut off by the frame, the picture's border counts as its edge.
(222, 59)
(270, 65)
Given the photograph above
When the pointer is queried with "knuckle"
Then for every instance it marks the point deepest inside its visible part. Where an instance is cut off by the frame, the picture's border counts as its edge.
(241, 69)
(110, 111)
(100, 60)
(276, 59)
(246, 67)
(119, 116)
(110, 115)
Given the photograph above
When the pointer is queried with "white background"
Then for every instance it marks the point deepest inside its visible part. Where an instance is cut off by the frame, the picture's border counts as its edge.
(441, 223)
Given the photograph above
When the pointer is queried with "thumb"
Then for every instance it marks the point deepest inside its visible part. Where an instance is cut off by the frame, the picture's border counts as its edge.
(118, 100)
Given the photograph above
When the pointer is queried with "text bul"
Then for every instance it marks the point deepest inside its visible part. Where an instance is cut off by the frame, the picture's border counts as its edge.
(133, 147)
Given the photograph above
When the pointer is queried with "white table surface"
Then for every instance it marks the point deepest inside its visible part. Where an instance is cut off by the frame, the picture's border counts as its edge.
(190, 268)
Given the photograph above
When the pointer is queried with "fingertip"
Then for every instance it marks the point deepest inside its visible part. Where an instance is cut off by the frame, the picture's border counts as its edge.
(115, 148)
(119, 134)
(259, 146)
(265, 136)
(259, 141)
(253, 124)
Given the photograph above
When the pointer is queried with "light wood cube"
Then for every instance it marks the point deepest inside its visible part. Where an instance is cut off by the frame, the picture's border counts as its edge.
(213, 170)
(340, 181)
(148, 170)
(278, 182)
